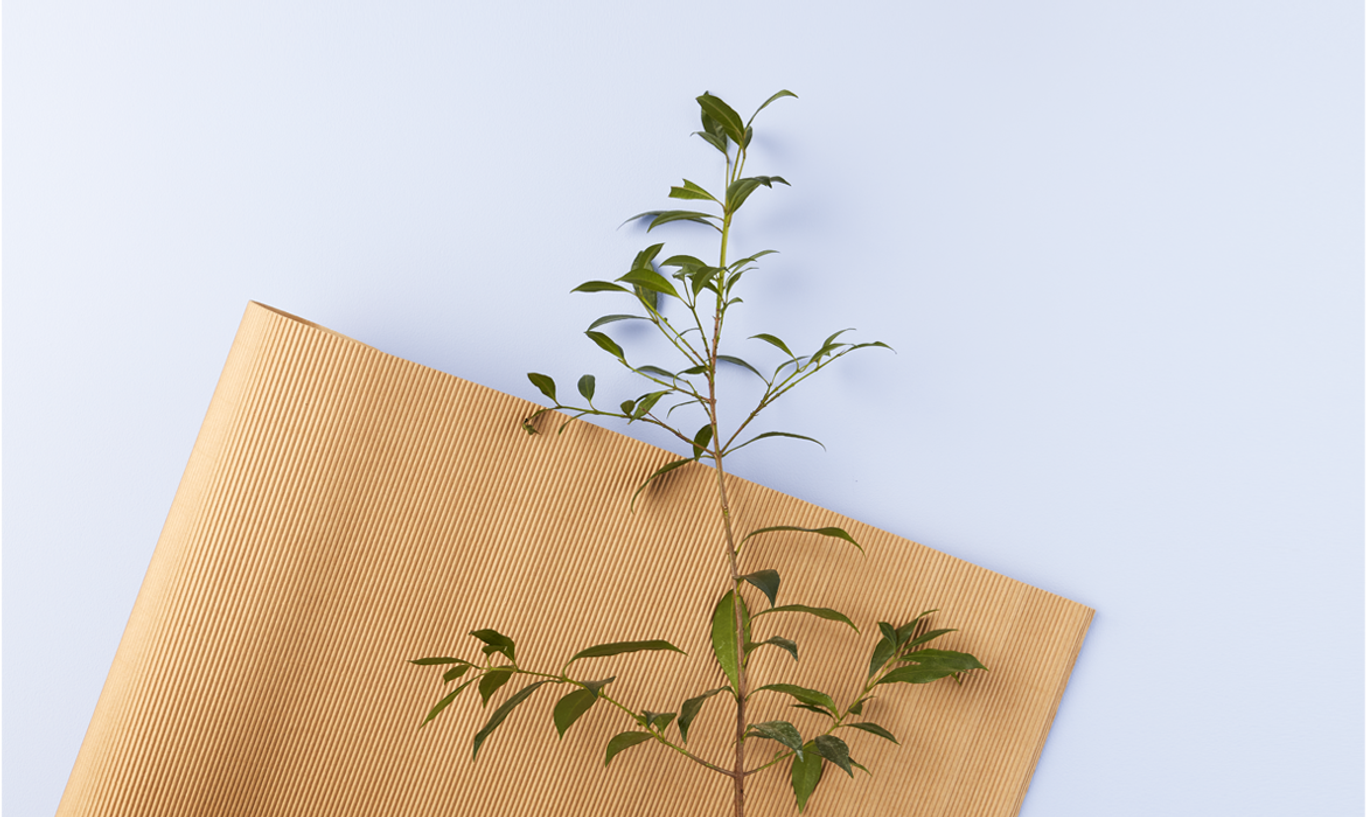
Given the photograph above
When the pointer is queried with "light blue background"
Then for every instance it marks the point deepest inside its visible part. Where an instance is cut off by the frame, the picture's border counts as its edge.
(1117, 245)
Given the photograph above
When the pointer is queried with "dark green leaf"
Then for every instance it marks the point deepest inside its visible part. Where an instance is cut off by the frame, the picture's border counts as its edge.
(806, 775)
(606, 319)
(946, 659)
(646, 402)
(608, 345)
(498, 641)
(809, 708)
(819, 612)
(661, 472)
(442, 704)
(587, 385)
(915, 674)
(435, 660)
(749, 136)
(905, 630)
(571, 707)
(928, 637)
(688, 712)
(875, 729)
(701, 440)
(860, 767)
(657, 372)
(651, 280)
(837, 533)
(492, 680)
(834, 750)
(814, 697)
(544, 383)
(758, 437)
(628, 406)
(888, 632)
(659, 720)
(779, 642)
(645, 256)
(738, 191)
(500, 714)
(714, 141)
(882, 653)
(770, 101)
(621, 647)
(738, 362)
(690, 190)
(646, 296)
(723, 642)
(658, 217)
(781, 731)
(455, 672)
(773, 339)
(766, 580)
(856, 708)
(694, 370)
(598, 286)
(625, 741)
(723, 115)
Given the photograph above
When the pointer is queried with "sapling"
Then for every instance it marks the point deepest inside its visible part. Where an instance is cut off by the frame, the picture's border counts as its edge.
(687, 301)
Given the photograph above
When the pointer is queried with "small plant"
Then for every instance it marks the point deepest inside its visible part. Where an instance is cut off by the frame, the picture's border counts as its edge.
(689, 307)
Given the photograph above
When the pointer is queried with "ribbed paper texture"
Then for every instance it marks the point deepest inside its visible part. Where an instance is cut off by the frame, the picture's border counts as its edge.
(344, 510)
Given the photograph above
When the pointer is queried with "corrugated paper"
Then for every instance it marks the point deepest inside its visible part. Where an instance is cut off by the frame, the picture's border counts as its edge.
(344, 510)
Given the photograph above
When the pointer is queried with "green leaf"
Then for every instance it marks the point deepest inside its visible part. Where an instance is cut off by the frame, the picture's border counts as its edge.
(701, 440)
(905, 630)
(606, 319)
(723, 115)
(834, 750)
(651, 280)
(646, 402)
(738, 362)
(819, 612)
(661, 472)
(500, 714)
(758, 437)
(781, 731)
(572, 707)
(657, 372)
(860, 767)
(874, 729)
(683, 261)
(498, 641)
(598, 286)
(714, 141)
(928, 637)
(779, 642)
(766, 580)
(608, 345)
(836, 533)
(723, 636)
(856, 708)
(814, 697)
(816, 709)
(806, 775)
(645, 256)
(882, 653)
(544, 383)
(628, 406)
(947, 659)
(770, 101)
(888, 632)
(455, 672)
(622, 647)
(587, 385)
(658, 217)
(659, 720)
(691, 707)
(738, 191)
(624, 741)
(435, 660)
(774, 340)
(691, 190)
(491, 681)
(915, 674)
(442, 704)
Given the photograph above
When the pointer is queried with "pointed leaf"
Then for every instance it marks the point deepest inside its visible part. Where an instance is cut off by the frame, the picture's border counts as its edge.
(927, 637)
(723, 636)
(774, 340)
(646, 402)
(690, 190)
(915, 674)
(606, 319)
(661, 472)
(599, 286)
(947, 659)
(455, 672)
(856, 708)
(874, 729)
(608, 345)
(834, 750)
(659, 720)
(806, 775)
(683, 261)
(572, 707)
(691, 707)
(738, 362)
(544, 383)
(767, 581)
(738, 191)
(818, 710)
(442, 704)
(758, 437)
(625, 741)
(779, 642)
(500, 714)
(622, 647)
(723, 115)
(819, 612)
(814, 697)
(657, 372)
(888, 632)
(587, 385)
(714, 141)
(882, 653)
(498, 641)
(836, 533)
(651, 280)
(781, 731)
(701, 440)
(436, 660)
(770, 101)
(645, 256)
(491, 681)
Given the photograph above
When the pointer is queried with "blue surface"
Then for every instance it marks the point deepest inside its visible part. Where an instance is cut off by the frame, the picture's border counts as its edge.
(1118, 247)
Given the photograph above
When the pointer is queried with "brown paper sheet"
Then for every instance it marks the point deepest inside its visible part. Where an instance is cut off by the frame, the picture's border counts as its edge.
(344, 510)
